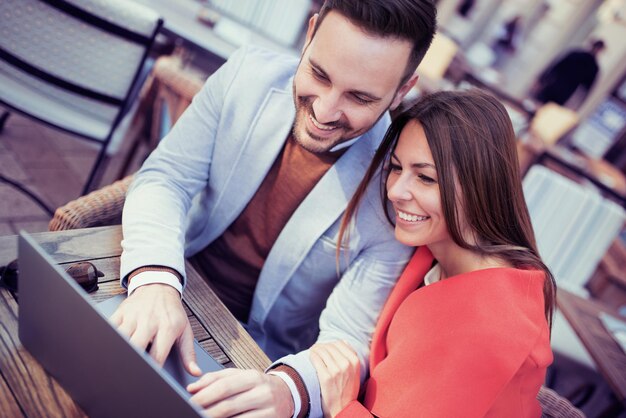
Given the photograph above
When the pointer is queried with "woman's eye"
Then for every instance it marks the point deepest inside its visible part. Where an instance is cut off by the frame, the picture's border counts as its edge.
(394, 168)
(426, 180)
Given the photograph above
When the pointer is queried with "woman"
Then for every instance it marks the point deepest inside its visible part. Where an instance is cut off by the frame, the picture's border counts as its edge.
(465, 332)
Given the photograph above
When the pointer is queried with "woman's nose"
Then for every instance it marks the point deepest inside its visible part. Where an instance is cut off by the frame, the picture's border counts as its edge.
(397, 190)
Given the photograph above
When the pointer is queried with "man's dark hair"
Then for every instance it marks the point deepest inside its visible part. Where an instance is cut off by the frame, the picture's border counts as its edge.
(413, 20)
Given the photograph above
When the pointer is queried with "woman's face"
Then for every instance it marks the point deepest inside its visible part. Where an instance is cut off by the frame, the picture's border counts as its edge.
(413, 189)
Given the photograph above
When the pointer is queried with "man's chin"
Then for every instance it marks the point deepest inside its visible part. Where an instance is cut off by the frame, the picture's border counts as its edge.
(316, 144)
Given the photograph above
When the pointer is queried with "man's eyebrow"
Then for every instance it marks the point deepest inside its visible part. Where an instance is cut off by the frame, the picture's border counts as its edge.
(317, 67)
(415, 165)
(323, 73)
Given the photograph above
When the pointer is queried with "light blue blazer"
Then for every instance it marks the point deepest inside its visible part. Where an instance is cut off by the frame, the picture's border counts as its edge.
(207, 169)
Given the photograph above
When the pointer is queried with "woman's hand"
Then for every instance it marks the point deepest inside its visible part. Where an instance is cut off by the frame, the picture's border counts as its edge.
(338, 370)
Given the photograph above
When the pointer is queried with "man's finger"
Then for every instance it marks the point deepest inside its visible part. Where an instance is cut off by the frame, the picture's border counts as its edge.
(141, 337)
(233, 406)
(127, 327)
(116, 318)
(248, 399)
(209, 378)
(204, 381)
(161, 346)
(187, 351)
(229, 384)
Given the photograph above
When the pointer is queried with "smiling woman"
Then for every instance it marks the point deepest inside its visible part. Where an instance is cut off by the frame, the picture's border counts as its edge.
(413, 190)
(452, 180)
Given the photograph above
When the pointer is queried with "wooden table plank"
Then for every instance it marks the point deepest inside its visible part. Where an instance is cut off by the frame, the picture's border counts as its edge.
(199, 331)
(211, 347)
(37, 393)
(8, 403)
(71, 245)
(225, 329)
(582, 314)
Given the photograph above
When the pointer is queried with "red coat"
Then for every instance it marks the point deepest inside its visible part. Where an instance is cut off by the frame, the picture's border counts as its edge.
(472, 345)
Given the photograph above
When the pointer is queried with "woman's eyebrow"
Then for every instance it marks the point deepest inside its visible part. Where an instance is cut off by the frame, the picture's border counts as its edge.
(414, 165)
(423, 165)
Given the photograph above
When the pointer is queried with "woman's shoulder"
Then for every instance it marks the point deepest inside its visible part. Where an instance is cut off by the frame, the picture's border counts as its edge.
(495, 298)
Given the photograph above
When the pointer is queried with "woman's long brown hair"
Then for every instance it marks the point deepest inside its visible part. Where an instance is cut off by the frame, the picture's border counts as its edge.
(472, 140)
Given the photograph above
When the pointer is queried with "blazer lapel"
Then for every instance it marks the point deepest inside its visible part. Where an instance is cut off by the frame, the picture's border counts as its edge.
(316, 214)
(263, 142)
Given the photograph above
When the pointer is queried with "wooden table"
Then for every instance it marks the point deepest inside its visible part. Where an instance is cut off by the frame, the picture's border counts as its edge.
(582, 314)
(26, 390)
(602, 174)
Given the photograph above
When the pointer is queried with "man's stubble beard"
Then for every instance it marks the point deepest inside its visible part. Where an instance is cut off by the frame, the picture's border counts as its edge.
(306, 139)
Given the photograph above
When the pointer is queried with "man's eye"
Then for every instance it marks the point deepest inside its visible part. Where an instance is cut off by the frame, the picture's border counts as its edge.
(319, 75)
(361, 100)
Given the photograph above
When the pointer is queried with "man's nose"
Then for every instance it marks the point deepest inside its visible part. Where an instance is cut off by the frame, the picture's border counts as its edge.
(327, 108)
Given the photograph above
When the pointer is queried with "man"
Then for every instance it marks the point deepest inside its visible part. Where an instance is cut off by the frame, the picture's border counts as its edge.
(578, 68)
(253, 188)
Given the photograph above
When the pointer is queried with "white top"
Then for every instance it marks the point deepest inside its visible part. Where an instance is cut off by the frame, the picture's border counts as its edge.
(433, 275)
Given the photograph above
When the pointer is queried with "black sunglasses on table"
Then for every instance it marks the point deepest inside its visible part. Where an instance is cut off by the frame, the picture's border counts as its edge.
(84, 272)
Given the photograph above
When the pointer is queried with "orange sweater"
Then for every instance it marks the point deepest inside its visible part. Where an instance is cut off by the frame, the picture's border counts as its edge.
(472, 345)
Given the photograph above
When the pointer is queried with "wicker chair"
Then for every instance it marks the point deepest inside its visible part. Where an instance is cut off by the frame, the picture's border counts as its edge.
(556, 406)
(165, 97)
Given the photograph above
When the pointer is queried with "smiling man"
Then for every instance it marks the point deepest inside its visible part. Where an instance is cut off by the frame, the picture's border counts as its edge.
(251, 184)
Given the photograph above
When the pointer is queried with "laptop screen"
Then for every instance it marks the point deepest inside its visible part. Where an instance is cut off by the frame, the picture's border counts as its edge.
(107, 376)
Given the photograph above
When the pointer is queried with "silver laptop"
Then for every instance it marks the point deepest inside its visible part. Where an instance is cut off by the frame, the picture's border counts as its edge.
(71, 337)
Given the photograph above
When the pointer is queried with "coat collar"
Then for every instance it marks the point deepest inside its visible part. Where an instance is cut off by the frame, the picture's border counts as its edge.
(321, 208)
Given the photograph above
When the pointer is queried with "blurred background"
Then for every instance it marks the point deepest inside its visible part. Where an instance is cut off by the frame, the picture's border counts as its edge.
(559, 67)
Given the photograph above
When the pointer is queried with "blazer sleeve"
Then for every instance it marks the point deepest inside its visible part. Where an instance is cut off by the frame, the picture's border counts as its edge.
(356, 302)
(154, 216)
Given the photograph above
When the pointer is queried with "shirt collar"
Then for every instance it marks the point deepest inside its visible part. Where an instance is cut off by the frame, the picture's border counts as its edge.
(345, 144)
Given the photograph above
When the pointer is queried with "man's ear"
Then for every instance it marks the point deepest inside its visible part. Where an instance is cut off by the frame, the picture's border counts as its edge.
(403, 90)
(309, 31)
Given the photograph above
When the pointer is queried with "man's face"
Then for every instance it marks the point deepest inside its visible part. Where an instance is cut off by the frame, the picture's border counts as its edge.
(345, 81)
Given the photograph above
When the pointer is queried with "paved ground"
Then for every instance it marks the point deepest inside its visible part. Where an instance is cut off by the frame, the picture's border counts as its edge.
(51, 163)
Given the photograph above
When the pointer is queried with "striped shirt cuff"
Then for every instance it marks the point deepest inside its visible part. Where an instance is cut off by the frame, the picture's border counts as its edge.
(151, 277)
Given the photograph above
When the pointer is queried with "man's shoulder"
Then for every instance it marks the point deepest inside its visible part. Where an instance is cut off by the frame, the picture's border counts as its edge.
(267, 55)
(265, 64)
(374, 136)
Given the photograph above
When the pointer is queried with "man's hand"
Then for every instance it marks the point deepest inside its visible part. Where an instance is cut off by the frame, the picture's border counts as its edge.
(244, 393)
(338, 369)
(154, 314)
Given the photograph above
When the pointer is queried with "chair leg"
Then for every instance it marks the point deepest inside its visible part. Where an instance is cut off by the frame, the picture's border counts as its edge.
(128, 159)
(97, 170)
(19, 187)
(3, 119)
